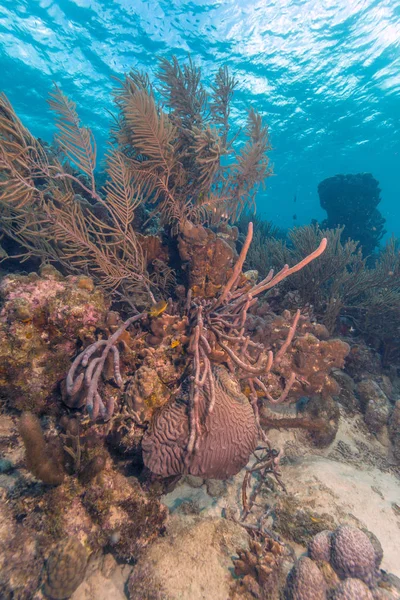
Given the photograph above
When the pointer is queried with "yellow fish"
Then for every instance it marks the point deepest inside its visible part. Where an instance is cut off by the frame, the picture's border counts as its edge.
(175, 343)
(157, 309)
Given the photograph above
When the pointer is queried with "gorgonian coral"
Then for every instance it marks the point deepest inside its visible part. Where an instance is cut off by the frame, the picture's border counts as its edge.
(164, 159)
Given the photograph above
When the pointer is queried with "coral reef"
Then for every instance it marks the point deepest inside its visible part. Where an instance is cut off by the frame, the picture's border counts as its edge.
(196, 361)
(21, 556)
(88, 513)
(163, 157)
(208, 408)
(342, 565)
(352, 201)
(344, 292)
(218, 326)
(43, 319)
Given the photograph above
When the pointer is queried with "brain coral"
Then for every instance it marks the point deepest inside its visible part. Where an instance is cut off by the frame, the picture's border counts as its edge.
(352, 589)
(353, 555)
(305, 582)
(228, 435)
(320, 546)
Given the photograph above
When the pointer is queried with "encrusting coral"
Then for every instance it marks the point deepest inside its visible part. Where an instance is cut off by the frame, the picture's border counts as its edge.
(352, 589)
(43, 320)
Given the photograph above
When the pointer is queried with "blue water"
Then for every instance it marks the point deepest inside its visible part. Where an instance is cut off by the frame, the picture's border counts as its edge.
(324, 73)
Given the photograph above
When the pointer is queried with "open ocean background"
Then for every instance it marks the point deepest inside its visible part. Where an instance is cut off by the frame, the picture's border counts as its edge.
(325, 74)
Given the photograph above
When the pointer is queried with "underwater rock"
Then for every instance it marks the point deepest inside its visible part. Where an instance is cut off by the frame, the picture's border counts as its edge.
(375, 404)
(305, 582)
(216, 488)
(192, 561)
(346, 396)
(108, 511)
(194, 482)
(95, 466)
(65, 569)
(353, 555)
(323, 411)
(126, 517)
(363, 362)
(21, 558)
(352, 589)
(376, 545)
(42, 319)
(394, 430)
(228, 435)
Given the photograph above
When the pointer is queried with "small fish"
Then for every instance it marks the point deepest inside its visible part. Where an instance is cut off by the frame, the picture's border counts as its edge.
(294, 217)
(157, 309)
(175, 343)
